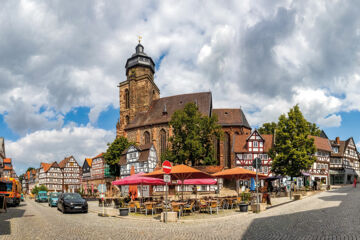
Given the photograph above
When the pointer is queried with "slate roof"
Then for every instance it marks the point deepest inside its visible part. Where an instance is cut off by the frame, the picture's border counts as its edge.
(155, 113)
(231, 117)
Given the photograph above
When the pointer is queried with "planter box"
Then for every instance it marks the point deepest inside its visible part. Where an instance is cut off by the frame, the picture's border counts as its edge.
(297, 196)
(171, 217)
(258, 207)
(123, 211)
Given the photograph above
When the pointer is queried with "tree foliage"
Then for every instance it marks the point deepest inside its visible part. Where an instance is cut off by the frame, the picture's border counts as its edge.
(29, 169)
(293, 151)
(113, 153)
(193, 137)
(37, 189)
(267, 128)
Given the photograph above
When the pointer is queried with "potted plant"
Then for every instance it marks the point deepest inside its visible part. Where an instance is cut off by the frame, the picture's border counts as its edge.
(123, 210)
(245, 197)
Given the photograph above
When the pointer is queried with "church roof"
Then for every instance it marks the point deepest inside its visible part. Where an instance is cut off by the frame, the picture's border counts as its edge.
(156, 114)
(231, 117)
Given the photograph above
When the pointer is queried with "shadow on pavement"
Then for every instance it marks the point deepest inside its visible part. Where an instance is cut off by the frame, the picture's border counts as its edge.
(5, 218)
(336, 221)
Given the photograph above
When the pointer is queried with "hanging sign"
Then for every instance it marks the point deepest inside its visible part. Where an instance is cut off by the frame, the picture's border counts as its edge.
(167, 178)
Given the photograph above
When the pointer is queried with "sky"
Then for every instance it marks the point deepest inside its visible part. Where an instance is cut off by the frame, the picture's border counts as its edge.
(61, 62)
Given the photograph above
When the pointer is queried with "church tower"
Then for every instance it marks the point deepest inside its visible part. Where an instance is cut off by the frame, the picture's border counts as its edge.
(139, 89)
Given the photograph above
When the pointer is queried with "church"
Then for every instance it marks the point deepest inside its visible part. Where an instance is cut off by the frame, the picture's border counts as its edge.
(145, 116)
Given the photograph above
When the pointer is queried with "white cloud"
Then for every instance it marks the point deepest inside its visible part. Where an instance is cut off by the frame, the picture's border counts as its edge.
(265, 57)
(55, 145)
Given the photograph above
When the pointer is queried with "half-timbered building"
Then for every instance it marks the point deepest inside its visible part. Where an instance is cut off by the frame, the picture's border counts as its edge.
(344, 161)
(320, 169)
(72, 174)
(8, 168)
(50, 175)
(2, 155)
(249, 147)
(143, 158)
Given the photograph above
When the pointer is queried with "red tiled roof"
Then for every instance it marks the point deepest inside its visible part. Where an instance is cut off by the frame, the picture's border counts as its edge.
(322, 143)
(231, 117)
(7, 167)
(99, 155)
(63, 163)
(240, 145)
(45, 166)
(155, 113)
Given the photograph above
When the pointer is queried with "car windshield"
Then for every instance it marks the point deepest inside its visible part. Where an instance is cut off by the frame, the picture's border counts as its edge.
(43, 194)
(54, 195)
(72, 196)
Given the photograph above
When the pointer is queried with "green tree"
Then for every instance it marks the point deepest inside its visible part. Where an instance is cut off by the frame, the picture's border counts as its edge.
(293, 151)
(29, 169)
(21, 177)
(267, 128)
(113, 153)
(192, 139)
(37, 189)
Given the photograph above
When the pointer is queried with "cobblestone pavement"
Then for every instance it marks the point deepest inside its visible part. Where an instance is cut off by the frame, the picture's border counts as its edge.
(328, 215)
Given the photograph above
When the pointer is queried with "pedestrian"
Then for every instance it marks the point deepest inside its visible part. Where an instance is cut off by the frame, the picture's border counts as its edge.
(354, 182)
(315, 185)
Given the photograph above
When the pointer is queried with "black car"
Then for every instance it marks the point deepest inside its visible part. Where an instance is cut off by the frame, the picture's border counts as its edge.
(72, 202)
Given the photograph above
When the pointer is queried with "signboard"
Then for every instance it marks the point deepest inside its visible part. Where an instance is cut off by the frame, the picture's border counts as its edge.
(102, 196)
(144, 190)
(102, 188)
(166, 167)
(167, 178)
(258, 160)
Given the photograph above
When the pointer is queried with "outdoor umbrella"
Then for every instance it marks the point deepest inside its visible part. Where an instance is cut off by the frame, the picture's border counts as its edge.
(237, 174)
(181, 172)
(139, 179)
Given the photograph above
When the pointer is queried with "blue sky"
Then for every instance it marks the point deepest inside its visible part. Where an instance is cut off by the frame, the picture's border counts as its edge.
(61, 63)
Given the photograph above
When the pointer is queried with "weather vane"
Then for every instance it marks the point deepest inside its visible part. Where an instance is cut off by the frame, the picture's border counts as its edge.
(139, 38)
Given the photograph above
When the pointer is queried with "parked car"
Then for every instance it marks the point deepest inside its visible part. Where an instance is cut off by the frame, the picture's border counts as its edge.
(72, 202)
(22, 197)
(41, 196)
(53, 199)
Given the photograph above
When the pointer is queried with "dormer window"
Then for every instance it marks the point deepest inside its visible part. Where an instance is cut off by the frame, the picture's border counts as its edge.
(335, 149)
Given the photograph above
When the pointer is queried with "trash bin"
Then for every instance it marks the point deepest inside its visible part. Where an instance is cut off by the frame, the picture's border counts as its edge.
(124, 211)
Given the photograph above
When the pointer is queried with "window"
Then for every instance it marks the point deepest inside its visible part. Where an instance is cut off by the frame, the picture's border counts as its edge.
(217, 149)
(335, 149)
(162, 141)
(127, 99)
(127, 119)
(255, 144)
(146, 137)
(227, 155)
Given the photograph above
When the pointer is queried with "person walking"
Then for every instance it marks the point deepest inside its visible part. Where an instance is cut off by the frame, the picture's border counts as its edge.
(354, 182)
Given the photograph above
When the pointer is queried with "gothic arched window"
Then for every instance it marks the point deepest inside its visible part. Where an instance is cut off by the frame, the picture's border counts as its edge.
(127, 99)
(217, 149)
(127, 119)
(162, 141)
(146, 137)
(227, 154)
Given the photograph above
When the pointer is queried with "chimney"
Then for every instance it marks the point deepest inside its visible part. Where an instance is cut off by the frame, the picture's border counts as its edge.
(337, 140)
